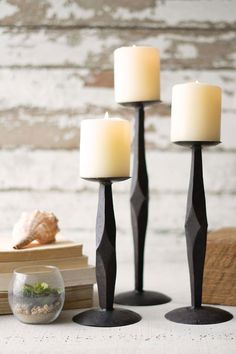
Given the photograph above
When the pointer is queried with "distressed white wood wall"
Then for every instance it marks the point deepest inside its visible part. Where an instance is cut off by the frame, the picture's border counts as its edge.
(56, 61)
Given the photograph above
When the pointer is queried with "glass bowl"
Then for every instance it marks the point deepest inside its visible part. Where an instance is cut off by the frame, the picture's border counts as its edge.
(36, 294)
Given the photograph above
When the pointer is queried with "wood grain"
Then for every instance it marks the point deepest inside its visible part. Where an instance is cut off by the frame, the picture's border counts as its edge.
(71, 89)
(219, 285)
(57, 58)
(142, 13)
(93, 48)
(49, 105)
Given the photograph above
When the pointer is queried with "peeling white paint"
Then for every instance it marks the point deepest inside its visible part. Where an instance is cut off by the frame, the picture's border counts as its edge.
(178, 11)
(57, 100)
(94, 48)
(7, 9)
(61, 10)
(186, 50)
(159, 13)
(64, 89)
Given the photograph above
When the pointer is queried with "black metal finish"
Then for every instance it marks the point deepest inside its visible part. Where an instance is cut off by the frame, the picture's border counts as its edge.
(139, 217)
(107, 180)
(196, 237)
(138, 104)
(139, 197)
(106, 316)
(201, 143)
(141, 298)
(203, 315)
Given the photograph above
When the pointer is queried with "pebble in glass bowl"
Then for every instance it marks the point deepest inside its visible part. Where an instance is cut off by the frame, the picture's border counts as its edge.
(36, 294)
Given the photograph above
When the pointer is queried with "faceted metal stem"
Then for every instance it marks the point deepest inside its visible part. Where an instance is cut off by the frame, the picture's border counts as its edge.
(139, 200)
(196, 226)
(139, 197)
(196, 237)
(106, 247)
(106, 315)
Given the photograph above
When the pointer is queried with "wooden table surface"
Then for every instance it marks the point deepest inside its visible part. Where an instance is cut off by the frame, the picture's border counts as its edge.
(166, 270)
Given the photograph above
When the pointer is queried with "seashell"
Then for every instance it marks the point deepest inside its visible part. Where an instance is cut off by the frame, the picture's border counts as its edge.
(37, 225)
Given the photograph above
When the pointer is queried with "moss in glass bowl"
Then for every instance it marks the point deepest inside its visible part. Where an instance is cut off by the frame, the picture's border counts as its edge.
(38, 303)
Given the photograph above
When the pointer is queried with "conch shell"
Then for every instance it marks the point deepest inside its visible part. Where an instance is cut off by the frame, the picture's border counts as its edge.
(37, 225)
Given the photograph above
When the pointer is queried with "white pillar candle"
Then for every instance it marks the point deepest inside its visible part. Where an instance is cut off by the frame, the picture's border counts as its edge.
(105, 148)
(195, 112)
(136, 74)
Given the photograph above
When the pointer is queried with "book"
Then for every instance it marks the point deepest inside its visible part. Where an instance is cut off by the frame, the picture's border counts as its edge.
(60, 249)
(75, 298)
(72, 293)
(81, 276)
(61, 263)
(80, 304)
(71, 277)
(78, 276)
(79, 292)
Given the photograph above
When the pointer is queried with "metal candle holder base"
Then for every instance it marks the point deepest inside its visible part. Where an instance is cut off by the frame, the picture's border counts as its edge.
(196, 238)
(139, 216)
(106, 316)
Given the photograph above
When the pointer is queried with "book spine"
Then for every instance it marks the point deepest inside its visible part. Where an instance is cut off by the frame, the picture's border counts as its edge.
(85, 303)
(63, 263)
(40, 254)
(71, 277)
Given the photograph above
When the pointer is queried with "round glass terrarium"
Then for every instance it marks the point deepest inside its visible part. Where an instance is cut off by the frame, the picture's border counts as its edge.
(36, 294)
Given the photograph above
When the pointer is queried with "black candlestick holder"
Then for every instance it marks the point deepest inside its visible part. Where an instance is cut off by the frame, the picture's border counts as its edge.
(106, 316)
(196, 238)
(139, 201)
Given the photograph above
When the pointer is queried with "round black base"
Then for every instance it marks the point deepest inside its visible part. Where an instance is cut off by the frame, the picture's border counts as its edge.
(201, 316)
(141, 298)
(103, 318)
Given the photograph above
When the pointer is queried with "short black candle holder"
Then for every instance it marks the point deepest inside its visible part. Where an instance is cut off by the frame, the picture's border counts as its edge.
(196, 238)
(106, 316)
(139, 201)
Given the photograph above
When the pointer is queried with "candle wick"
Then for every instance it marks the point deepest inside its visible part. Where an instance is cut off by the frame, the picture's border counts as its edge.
(106, 115)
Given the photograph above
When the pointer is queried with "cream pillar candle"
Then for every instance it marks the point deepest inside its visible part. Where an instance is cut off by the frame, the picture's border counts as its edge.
(136, 74)
(195, 112)
(105, 148)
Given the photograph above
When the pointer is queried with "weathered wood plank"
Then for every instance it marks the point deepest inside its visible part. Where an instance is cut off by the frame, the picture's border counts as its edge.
(142, 13)
(219, 283)
(61, 90)
(59, 171)
(167, 212)
(180, 49)
(43, 108)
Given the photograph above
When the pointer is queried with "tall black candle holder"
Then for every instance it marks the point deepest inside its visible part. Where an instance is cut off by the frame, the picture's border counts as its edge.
(139, 200)
(106, 316)
(196, 238)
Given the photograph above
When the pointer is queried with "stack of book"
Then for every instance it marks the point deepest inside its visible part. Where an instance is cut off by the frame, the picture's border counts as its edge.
(78, 275)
